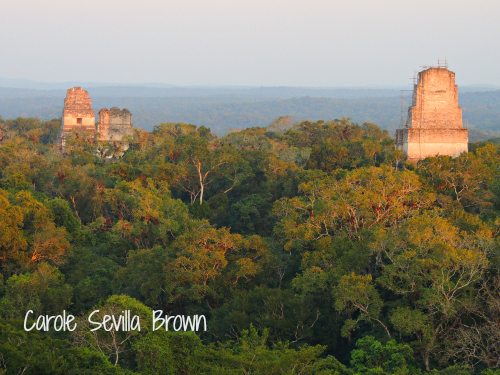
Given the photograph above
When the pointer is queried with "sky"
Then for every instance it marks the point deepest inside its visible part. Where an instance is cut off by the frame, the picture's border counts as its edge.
(314, 43)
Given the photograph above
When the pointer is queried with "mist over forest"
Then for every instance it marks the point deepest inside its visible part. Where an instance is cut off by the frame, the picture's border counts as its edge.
(225, 108)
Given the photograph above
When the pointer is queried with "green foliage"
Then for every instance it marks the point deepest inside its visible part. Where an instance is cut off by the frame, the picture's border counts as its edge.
(91, 276)
(342, 144)
(251, 354)
(374, 357)
(143, 276)
(36, 354)
(43, 291)
(288, 316)
(114, 342)
(310, 248)
(168, 353)
(356, 294)
(63, 215)
(362, 199)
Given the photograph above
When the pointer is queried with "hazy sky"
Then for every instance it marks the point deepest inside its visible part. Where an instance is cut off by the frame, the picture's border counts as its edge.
(240, 42)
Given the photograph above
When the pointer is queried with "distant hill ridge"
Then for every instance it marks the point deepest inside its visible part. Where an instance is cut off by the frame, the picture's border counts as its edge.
(224, 108)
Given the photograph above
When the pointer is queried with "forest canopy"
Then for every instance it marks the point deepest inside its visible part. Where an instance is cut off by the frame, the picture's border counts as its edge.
(311, 249)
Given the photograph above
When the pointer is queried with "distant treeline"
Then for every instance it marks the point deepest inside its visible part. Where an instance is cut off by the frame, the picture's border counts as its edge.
(222, 110)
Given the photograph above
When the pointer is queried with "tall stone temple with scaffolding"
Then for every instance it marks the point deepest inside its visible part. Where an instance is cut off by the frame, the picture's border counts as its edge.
(434, 124)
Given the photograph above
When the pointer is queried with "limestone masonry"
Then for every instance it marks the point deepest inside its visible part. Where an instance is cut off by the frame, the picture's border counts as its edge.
(434, 125)
(78, 113)
(115, 125)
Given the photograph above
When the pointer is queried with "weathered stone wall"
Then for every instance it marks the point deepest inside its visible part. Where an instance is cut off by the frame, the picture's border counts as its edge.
(434, 125)
(435, 101)
(419, 144)
(114, 125)
(78, 113)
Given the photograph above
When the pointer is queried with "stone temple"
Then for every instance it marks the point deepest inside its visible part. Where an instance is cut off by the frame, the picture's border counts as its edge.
(434, 126)
(114, 125)
(78, 114)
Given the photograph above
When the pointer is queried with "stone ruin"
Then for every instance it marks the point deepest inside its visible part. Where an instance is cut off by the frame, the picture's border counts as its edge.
(434, 126)
(78, 114)
(114, 125)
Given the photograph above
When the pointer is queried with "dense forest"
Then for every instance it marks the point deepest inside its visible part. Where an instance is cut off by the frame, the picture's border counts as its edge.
(315, 249)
